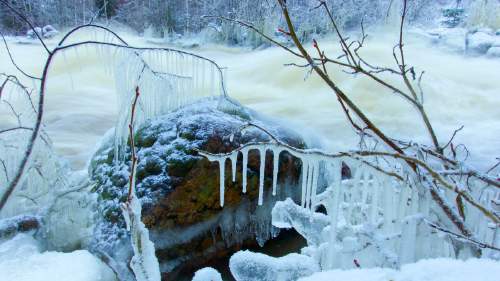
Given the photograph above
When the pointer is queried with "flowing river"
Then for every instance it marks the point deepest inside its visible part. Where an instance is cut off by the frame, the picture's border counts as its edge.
(459, 90)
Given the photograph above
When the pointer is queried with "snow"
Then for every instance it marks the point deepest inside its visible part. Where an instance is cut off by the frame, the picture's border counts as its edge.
(207, 274)
(479, 42)
(22, 260)
(424, 270)
(287, 214)
(494, 52)
(250, 266)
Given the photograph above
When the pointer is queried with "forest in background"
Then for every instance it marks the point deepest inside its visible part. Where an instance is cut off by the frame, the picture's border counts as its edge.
(176, 18)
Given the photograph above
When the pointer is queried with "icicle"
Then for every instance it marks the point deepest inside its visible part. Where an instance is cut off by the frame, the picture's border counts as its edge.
(212, 80)
(244, 152)
(276, 159)
(333, 209)
(353, 191)
(305, 173)
(365, 190)
(262, 159)
(310, 172)
(222, 168)
(403, 200)
(374, 203)
(314, 186)
(388, 193)
(234, 159)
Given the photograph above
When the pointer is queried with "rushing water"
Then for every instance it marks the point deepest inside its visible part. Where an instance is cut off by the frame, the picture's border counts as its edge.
(459, 90)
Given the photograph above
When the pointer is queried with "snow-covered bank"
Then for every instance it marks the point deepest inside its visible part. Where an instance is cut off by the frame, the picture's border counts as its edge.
(22, 260)
(424, 270)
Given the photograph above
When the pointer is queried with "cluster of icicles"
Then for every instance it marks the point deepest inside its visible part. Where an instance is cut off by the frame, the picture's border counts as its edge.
(43, 173)
(310, 170)
(371, 217)
(167, 79)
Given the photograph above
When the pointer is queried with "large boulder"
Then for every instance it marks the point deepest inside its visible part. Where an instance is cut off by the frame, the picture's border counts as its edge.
(179, 189)
(494, 51)
(479, 41)
(475, 42)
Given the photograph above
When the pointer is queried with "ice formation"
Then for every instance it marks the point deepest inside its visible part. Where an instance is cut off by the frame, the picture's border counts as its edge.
(47, 189)
(44, 174)
(167, 80)
(310, 170)
(250, 266)
(371, 217)
(144, 262)
(207, 274)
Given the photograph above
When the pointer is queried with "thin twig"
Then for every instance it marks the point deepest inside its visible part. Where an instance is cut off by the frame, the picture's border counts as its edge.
(14, 62)
(132, 146)
(453, 136)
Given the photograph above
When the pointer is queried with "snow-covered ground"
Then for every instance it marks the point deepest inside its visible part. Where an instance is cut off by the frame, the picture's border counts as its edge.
(424, 270)
(22, 260)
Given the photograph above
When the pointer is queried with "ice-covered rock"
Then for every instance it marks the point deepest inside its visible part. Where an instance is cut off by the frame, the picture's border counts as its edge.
(473, 42)
(179, 189)
(479, 42)
(45, 32)
(494, 52)
(11, 226)
(250, 266)
(49, 31)
(207, 274)
(31, 33)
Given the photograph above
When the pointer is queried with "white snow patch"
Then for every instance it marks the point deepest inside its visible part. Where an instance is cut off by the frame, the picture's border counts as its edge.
(21, 260)
(207, 274)
(424, 270)
(250, 266)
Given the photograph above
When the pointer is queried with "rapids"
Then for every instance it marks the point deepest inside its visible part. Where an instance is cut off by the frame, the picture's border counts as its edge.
(459, 90)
